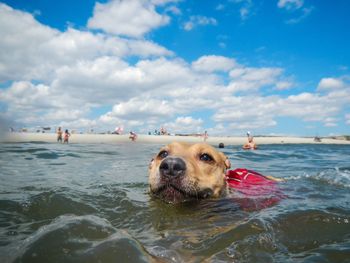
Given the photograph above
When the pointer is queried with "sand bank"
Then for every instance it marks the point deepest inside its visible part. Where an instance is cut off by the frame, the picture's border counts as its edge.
(112, 138)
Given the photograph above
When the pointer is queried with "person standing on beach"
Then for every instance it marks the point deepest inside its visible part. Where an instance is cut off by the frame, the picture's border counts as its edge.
(59, 135)
(66, 136)
(205, 136)
(132, 136)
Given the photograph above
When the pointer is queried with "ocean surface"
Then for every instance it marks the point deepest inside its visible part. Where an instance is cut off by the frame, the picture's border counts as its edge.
(90, 203)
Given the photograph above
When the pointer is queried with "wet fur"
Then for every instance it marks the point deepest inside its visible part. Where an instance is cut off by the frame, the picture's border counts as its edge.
(202, 178)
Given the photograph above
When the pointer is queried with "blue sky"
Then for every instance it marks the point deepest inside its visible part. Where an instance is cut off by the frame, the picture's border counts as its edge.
(225, 66)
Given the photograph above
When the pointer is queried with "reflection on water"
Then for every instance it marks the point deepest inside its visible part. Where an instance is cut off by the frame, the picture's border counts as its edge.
(90, 203)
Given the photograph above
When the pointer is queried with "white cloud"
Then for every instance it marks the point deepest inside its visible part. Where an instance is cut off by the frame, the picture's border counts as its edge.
(330, 84)
(284, 85)
(235, 112)
(251, 112)
(31, 50)
(330, 122)
(290, 4)
(38, 105)
(61, 77)
(305, 12)
(185, 124)
(164, 2)
(20, 58)
(140, 107)
(132, 18)
(199, 21)
(246, 8)
(142, 113)
(250, 79)
(24, 94)
(295, 7)
(256, 74)
(213, 63)
(174, 10)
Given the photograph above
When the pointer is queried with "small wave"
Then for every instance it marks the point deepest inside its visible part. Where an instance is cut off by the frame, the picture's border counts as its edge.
(167, 254)
(47, 205)
(61, 229)
(24, 150)
(47, 155)
(71, 238)
(336, 176)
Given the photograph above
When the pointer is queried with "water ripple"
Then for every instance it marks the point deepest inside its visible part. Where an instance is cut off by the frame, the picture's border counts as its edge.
(90, 203)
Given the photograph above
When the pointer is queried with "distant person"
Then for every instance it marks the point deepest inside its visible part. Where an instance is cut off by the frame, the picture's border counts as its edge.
(118, 130)
(250, 145)
(66, 136)
(205, 136)
(317, 139)
(163, 131)
(132, 136)
(59, 134)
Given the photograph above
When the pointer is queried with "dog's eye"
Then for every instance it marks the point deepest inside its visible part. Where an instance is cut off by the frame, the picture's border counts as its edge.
(205, 157)
(163, 154)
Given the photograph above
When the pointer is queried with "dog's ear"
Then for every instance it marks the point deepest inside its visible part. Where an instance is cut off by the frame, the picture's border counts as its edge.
(151, 163)
(227, 163)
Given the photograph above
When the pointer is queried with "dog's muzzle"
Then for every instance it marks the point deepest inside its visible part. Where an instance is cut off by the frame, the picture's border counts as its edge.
(172, 167)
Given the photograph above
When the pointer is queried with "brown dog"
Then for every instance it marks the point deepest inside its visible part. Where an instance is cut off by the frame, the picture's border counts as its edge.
(182, 171)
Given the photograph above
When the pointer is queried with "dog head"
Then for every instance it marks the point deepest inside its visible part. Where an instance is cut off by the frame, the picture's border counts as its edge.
(181, 172)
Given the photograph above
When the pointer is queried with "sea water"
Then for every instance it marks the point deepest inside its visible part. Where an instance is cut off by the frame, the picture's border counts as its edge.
(90, 203)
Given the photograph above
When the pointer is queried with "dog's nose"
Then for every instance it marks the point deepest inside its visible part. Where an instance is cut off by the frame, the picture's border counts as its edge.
(172, 166)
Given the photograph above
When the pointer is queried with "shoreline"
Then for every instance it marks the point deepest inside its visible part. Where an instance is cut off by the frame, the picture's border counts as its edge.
(17, 137)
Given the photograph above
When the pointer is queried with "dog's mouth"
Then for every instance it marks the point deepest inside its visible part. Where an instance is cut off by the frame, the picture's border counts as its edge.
(171, 193)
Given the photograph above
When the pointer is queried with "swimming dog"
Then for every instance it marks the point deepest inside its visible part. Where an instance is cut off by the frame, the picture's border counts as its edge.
(181, 172)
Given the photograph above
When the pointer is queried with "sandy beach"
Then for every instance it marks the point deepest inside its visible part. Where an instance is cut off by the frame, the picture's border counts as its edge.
(112, 138)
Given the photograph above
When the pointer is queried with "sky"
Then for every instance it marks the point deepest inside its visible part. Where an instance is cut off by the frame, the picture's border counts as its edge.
(273, 67)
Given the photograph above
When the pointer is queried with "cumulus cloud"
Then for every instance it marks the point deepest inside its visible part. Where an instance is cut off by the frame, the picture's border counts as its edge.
(23, 94)
(330, 84)
(59, 78)
(250, 79)
(284, 85)
(213, 63)
(132, 18)
(331, 122)
(265, 109)
(31, 50)
(163, 2)
(199, 21)
(185, 124)
(138, 107)
(20, 58)
(37, 105)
